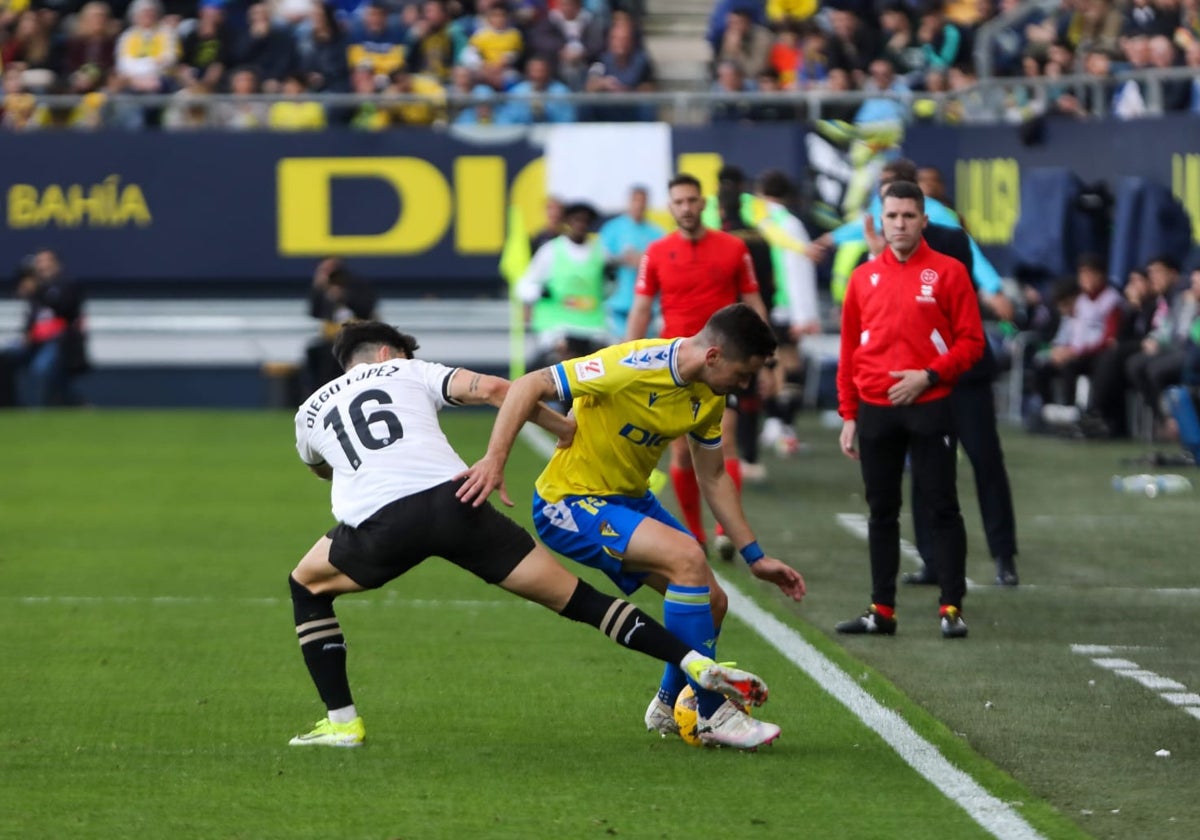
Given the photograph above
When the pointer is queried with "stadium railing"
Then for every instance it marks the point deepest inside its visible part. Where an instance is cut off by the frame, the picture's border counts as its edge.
(254, 333)
(695, 107)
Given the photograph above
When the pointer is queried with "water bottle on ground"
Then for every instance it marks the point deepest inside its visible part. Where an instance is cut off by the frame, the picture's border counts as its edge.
(1151, 486)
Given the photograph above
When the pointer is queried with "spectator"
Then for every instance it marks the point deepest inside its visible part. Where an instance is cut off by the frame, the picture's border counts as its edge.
(483, 112)
(430, 111)
(20, 108)
(1091, 97)
(1188, 31)
(745, 43)
(376, 41)
(786, 55)
(813, 70)
(880, 109)
(208, 47)
(1193, 61)
(368, 116)
(1176, 93)
(53, 348)
(900, 45)
(731, 81)
(431, 45)
(1105, 415)
(92, 43)
(243, 82)
(1159, 363)
(1011, 43)
(538, 98)
(336, 296)
(497, 45)
(623, 67)
(91, 111)
(1096, 26)
(147, 51)
(189, 110)
(1143, 17)
(941, 42)
(583, 41)
(268, 48)
(853, 45)
(718, 19)
(1093, 327)
(776, 111)
(295, 116)
(32, 44)
(322, 55)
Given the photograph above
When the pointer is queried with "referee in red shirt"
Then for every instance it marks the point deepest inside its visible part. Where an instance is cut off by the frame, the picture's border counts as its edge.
(695, 271)
(910, 328)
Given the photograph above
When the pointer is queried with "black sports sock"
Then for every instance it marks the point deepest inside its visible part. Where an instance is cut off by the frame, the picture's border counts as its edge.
(624, 623)
(322, 643)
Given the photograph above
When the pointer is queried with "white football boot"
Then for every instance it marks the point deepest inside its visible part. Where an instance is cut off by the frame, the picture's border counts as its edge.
(660, 718)
(729, 726)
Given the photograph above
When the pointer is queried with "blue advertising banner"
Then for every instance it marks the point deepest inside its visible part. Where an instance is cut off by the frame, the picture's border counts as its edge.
(988, 161)
(403, 205)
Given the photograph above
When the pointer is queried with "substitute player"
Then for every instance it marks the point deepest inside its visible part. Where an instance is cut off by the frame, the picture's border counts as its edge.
(694, 271)
(375, 433)
(592, 502)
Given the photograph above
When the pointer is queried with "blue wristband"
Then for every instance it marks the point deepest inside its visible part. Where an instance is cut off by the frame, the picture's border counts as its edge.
(752, 553)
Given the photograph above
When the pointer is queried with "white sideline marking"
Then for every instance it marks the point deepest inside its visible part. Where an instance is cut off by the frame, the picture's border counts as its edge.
(856, 524)
(990, 812)
(1173, 691)
(994, 815)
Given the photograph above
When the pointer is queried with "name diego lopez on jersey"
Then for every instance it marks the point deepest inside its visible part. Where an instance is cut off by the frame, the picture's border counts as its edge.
(314, 406)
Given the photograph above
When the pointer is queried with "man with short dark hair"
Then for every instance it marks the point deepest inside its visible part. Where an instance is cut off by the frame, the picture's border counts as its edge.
(910, 328)
(375, 433)
(593, 504)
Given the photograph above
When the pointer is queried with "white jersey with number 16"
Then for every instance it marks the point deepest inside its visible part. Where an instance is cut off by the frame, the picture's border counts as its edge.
(378, 428)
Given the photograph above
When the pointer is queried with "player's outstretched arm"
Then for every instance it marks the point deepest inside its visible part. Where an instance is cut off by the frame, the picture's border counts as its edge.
(468, 387)
(638, 323)
(719, 491)
(521, 401)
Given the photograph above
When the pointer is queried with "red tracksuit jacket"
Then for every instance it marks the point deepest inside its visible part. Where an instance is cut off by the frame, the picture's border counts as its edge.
(906, 316)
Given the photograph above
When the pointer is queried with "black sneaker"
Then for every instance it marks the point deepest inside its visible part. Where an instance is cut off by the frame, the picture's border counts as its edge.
(925, 577)
(868, 622)
(1006, 572)
(953, 626)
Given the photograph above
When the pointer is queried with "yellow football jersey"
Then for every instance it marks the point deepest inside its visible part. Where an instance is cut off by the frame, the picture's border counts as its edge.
(629, 403)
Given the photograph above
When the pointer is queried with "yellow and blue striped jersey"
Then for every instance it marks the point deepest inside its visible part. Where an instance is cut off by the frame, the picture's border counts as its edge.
(629, 403)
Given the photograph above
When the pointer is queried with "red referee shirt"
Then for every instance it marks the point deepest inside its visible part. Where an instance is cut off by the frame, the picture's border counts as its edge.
(695, 278)
(912, 315)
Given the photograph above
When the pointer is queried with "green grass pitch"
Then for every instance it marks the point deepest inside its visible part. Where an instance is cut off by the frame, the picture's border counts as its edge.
(151, 677)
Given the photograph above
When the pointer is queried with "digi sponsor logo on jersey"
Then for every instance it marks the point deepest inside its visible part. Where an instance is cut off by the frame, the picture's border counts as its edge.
(589, 369)
(641, 437)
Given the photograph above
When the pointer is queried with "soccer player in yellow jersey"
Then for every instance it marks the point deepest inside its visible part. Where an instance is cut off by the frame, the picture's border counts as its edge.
(592, 502)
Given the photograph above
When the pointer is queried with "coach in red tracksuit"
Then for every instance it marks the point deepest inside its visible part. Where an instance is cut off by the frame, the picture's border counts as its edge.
(910, 327)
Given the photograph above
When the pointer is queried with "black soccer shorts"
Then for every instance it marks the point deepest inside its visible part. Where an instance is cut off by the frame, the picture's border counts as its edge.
(432, 523)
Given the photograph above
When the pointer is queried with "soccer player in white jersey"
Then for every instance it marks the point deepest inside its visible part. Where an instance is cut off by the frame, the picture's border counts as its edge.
(374, 432)
(592, 503)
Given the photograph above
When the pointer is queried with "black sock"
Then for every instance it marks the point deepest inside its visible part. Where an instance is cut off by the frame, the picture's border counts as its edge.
(323, 645)
(624, 623)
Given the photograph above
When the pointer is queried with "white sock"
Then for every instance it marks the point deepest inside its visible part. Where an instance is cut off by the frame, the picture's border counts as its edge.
(343, 715)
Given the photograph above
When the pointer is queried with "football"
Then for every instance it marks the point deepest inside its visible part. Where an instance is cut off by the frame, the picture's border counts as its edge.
(685, 716)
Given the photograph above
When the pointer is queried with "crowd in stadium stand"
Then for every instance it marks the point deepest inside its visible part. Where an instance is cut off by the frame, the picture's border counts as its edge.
(191, 48)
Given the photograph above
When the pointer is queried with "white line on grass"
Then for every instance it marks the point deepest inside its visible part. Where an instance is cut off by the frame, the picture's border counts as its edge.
(990, 812)
(994, 815)
(856, 524)
(1173, 691)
